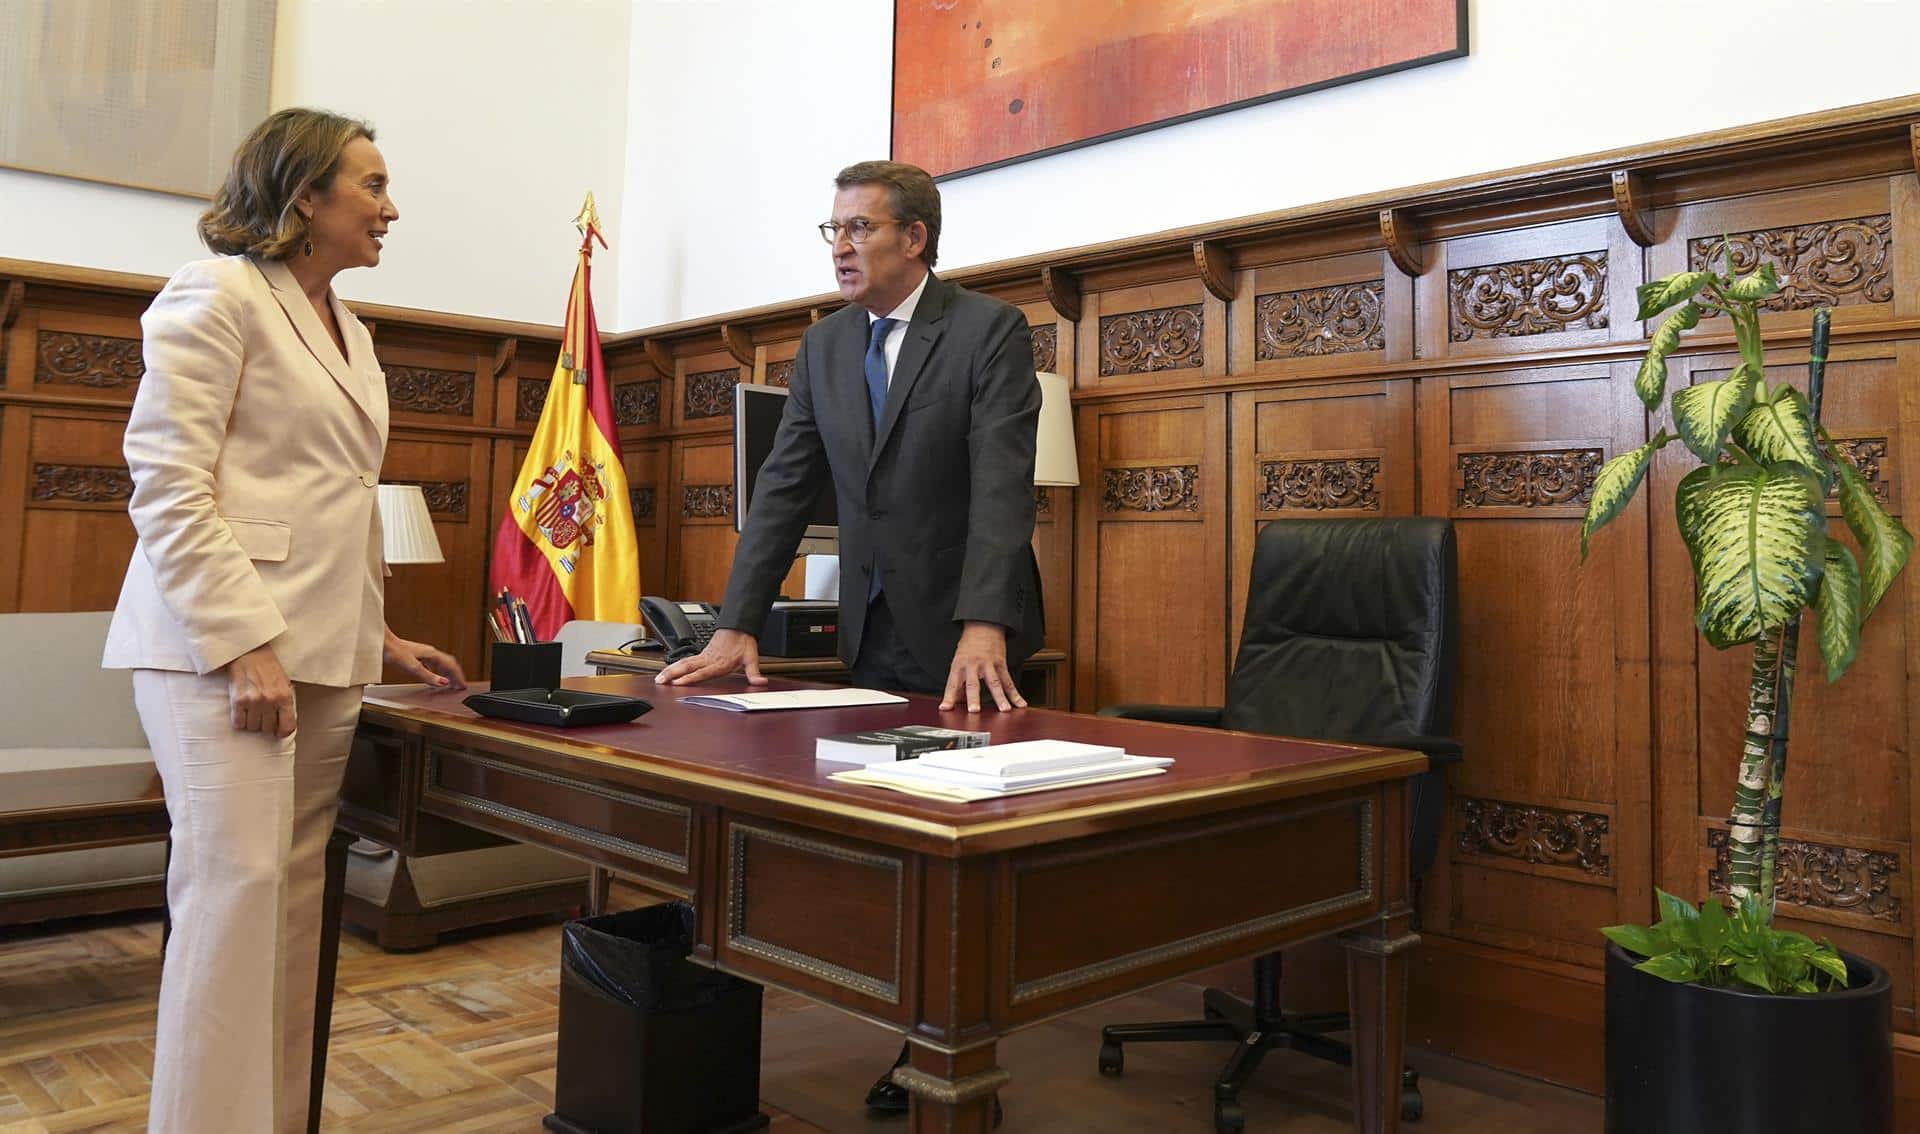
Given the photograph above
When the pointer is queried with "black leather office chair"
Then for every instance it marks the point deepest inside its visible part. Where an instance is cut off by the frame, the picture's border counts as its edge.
(1349, 635)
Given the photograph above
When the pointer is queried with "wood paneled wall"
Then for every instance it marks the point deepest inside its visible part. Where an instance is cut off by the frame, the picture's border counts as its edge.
(1462, 350)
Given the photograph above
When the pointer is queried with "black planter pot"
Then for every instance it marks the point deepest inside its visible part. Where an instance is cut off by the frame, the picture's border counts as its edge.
(1686, 1059)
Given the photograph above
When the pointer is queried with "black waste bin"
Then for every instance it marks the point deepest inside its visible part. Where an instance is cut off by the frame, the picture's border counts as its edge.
(651, 1043)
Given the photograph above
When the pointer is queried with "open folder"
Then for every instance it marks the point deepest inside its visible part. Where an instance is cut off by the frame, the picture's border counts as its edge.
(793, 699)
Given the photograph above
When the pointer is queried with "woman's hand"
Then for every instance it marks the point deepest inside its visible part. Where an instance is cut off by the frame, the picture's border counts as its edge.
(259, 696)
(423, 662)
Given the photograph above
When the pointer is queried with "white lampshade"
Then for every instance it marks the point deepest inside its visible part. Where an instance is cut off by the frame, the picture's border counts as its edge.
(1054, 462)
(407, 525)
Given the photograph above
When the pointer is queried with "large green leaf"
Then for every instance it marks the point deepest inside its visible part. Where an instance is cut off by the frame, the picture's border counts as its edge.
(1618, 480)
(1839, 608)
(1651, 382)
(1780, 428)
(1756, 535)
(1885, 546)
(1661, 294)
(1705, 413)
(1755, 287)
(1639, 940)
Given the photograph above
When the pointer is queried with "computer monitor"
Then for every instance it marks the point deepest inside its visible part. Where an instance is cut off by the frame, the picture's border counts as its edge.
(756, 419)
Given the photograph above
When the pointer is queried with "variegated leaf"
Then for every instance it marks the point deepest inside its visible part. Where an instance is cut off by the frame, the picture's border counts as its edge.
(1651, 382)
(1661, 294)
(1780, 428)
(1838, 606)
(1706, 412)
(1885, 546)
(1756, 536)
(1615, 485)
(1757, 286)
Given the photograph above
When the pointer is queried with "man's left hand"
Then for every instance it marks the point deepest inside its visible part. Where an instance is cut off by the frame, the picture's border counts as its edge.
(425, 663)
(981, 656)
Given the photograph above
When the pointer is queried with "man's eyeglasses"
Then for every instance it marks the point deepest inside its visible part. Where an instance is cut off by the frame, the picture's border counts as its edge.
(857, 229)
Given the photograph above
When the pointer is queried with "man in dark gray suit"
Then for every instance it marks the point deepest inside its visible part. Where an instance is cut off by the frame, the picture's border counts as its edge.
(918, 401)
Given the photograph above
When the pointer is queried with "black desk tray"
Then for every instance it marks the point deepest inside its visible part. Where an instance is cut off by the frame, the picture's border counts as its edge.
(561, 708)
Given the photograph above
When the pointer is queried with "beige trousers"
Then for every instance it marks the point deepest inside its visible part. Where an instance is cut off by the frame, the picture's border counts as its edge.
(251, 814)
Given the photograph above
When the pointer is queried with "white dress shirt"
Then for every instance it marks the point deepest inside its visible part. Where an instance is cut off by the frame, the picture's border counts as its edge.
(897, 333)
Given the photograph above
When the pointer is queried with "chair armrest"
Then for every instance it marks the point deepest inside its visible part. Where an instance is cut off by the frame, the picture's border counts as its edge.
(1206, 716)
(1440, 750)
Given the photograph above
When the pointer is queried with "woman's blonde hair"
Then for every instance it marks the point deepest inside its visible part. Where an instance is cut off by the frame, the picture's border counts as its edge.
(293, 149)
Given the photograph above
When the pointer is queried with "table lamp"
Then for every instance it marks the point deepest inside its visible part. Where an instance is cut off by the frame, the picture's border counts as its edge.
(406, 525)
(1054, 461)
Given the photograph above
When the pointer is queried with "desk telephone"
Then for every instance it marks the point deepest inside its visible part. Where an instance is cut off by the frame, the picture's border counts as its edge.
(684, 628)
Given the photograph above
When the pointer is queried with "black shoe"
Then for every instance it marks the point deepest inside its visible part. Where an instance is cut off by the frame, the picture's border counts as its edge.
(887, 1096)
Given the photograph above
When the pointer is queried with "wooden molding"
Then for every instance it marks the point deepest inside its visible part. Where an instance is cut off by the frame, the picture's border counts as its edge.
(11, 302)
(1398, 234)
(1630, 201)
(738, 342)
(659, 356)
(504, 354)
(813, 315)
(1215, 262)
(1063, 292)
(1913, 141)
(372, 326)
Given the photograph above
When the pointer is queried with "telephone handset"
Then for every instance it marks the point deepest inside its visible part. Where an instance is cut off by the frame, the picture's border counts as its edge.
(684, 628)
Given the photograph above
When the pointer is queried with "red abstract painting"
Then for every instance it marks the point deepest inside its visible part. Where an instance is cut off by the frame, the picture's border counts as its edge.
(980, 83)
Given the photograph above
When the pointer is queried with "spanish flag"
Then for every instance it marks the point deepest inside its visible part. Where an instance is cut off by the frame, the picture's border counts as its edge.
(566, 544)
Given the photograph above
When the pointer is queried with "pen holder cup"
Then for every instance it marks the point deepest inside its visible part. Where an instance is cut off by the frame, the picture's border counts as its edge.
(526, 665)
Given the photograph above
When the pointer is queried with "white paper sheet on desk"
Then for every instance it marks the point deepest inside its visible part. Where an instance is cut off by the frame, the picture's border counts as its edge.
(953, 793)
(793, 699)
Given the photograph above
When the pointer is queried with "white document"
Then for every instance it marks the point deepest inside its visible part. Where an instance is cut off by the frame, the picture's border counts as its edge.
(1021, 757)
(920, 771)
(880, 776)
(794, 699)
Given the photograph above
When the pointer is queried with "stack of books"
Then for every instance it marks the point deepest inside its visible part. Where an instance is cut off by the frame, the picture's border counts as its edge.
(996, 770)
(886, 745)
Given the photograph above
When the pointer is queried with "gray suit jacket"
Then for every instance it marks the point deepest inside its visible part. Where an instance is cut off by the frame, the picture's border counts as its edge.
(938, 500)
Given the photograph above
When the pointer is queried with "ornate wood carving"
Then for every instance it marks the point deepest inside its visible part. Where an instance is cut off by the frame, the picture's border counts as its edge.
(1315, 485)
(1828, 263)
(1063, 292)
(102, 362)
(81, 484)
(641, 497)
(706, 501)
(710, 393)
(637, 403)
(1913, 142)
(444, 497)
(11, 302)
(1042, 502)
(1401, 236)
(1165, 488)
(1528, 479)
(1528, 297)
(1631, 203)
(530, 397)
(780, 373)
(658, 356)
(1869, 455)
(1546, 836)
(1320, 320)
(737, 342)
(1215, 262)
(504, 354)
(1046, 348)
(422, 389)
(1141, 342)
(1822, 876)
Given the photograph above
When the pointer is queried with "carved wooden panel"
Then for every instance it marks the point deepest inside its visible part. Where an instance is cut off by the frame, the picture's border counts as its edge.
(1318, 484)
(710, 393)
(696, 521)
(1825, 877)
(641, 497)
(780, 373)
(1042, 504)
(1548, 836)
(1826, 263)
(446, 499)
(530, 398)
(1142, 342)
(1869, 455)
(426, 389)
(1046, 348)
(1322, 320)
(1528, 478)
(1151, 488)
(637, 403)
(80, 484)
(707, 502)
(1528, 297)
(102, 362)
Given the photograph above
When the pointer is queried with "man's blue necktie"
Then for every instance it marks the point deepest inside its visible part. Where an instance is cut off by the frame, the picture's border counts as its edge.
(876, 367)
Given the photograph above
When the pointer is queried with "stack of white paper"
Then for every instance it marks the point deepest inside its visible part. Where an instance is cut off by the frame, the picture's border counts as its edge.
(1007, 769)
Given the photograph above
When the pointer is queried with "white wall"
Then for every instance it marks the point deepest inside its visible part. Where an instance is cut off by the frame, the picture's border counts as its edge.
(495, 118)
(785, 93)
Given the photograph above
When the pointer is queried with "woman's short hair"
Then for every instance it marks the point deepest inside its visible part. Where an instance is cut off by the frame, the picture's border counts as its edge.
(915, 198)
(253, 211)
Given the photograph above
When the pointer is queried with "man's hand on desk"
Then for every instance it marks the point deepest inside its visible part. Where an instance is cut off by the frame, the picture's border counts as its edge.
(728, 652)
(981, 656)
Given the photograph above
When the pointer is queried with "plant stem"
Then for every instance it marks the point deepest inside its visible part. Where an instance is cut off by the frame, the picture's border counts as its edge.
(1745, 826)
(1785, 655)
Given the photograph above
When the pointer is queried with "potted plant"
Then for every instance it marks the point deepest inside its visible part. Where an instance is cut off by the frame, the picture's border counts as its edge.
(1716, 1019)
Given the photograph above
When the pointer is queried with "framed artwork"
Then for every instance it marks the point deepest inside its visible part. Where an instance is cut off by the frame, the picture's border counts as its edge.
(983, 83)
(153, 95)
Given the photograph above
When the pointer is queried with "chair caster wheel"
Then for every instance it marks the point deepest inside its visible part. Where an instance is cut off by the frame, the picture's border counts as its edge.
(1412, 1106)
(1229, 1118)
(1111, 1061)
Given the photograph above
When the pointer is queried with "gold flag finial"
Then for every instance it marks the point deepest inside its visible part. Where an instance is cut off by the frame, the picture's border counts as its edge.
(588, 222)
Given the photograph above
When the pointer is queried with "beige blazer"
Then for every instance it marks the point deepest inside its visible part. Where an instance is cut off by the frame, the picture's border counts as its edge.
(254, 449)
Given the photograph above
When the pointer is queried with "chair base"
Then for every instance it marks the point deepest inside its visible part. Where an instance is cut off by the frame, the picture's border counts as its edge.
(1255, 1032)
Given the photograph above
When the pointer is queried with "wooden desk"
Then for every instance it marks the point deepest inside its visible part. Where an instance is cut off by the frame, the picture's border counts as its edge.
(952, 923)
(1039, 676)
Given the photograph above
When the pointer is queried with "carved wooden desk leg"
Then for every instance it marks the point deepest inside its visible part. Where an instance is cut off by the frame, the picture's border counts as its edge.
(333, 896)
(952, 1094)
(1377, 998)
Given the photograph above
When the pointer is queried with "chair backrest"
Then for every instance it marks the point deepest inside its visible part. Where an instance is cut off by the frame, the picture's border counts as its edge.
(580, 636)
(53, 693)
(1350, 630)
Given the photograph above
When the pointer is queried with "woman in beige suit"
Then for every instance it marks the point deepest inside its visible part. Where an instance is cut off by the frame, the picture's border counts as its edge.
(252, 608)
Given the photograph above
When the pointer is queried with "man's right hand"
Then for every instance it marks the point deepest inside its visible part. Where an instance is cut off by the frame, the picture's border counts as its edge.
(728, 652)
(259, 696)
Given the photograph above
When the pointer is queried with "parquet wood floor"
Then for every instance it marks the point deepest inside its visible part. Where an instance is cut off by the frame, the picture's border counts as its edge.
(459, 1040)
